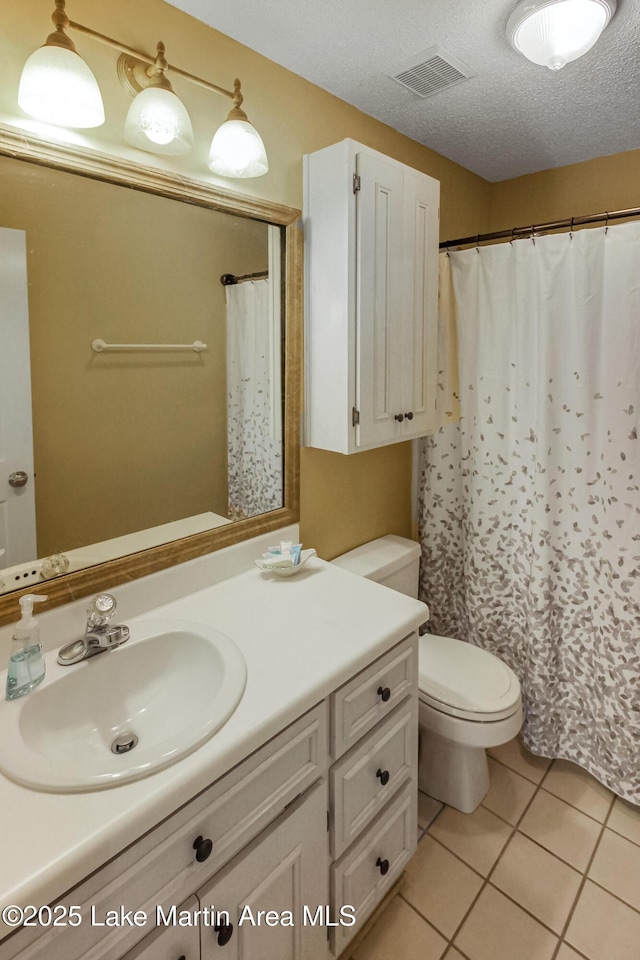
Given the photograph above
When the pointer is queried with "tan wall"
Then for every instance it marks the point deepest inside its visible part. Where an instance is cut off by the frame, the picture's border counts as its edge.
(607, 183)
(344, 500)
(123, 442)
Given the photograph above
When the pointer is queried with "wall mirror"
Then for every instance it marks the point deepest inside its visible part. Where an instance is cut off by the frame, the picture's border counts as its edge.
(146, 451)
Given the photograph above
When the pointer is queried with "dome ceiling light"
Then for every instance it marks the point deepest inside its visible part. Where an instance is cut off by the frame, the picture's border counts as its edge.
(552, 33)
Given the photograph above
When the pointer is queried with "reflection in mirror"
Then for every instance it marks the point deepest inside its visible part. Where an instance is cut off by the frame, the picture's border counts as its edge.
(132, 447)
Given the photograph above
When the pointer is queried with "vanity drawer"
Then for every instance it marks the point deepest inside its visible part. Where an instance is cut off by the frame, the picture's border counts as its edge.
(161, 868)
(173, 941)
(357, 879)
(366, 778)
(371, 695)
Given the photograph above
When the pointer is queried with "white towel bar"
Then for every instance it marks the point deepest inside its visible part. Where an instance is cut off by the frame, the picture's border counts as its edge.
(99, 346)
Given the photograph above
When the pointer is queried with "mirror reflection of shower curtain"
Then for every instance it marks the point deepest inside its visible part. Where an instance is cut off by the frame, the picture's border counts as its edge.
(254, 419)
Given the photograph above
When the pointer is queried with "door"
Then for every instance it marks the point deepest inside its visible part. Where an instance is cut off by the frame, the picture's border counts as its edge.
(380, 296)
(258, 902)
(17, 503)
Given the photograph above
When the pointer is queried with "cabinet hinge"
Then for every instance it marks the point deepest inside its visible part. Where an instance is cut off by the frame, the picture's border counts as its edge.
(355, 417)
(356, 183)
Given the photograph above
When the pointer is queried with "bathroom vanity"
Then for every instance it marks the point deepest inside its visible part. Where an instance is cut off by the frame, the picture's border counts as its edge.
(277, 837)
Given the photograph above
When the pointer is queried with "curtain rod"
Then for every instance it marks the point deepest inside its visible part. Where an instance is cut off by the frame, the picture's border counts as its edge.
(541, 227)
(228, 279)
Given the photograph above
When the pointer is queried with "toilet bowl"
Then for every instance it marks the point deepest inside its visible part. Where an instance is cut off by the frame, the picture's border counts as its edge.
(469, 700)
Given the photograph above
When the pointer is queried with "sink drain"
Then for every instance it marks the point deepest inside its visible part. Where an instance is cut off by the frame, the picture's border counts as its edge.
(124, 743)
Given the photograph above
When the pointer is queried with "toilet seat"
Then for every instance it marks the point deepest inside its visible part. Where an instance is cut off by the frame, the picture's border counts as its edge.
(464, 681)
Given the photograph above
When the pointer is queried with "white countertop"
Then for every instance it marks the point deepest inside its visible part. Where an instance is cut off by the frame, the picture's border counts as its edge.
(301, 637)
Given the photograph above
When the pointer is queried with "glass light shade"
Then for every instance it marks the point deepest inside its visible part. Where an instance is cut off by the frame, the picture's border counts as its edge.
(555, 33)
(237, 150)
(58, 87)
(158, 122)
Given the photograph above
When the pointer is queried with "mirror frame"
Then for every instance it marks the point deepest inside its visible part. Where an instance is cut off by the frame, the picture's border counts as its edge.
(21, 145)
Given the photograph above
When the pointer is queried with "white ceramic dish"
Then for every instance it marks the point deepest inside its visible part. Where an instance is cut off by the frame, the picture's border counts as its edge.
(287, 571)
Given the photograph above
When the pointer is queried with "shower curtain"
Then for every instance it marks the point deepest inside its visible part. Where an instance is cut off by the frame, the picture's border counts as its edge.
(253, 402)
(529, 506)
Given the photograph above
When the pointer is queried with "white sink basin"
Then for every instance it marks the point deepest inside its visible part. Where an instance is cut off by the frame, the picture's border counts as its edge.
(172, 685)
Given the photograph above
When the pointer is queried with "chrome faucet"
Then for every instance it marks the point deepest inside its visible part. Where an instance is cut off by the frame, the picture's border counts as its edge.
(100, 633)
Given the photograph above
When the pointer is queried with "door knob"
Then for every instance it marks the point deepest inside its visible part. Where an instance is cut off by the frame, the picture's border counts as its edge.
(409, 416)
(382, 865)
(225, 932)
(383, 776)
(399, 417)
(18, 478)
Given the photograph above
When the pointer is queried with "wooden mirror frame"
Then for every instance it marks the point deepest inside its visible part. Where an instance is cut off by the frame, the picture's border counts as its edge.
(88, 163)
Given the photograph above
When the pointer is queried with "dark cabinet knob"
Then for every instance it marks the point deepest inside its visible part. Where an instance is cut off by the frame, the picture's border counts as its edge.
(383, 776)
(409, 416)
(225, 932)
(384, 692)
(383, 866)
(202, 848)
(399, 417)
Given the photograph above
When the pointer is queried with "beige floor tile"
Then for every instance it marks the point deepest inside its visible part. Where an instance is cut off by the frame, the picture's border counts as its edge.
(538, 881)
(400, 932)
(603, 928)
(509, 792)
(428, 809)
(477, 838)
(625, 819)
(516, 756)
(616, 866)
(452, 954)
(562, 829)
(440, 886)
(497, 929)
(572, 783)
(566, 953)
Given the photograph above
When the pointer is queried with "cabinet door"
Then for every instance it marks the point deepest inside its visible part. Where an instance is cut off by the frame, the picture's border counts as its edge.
(381, 297)
(265, 891)
(417, 360)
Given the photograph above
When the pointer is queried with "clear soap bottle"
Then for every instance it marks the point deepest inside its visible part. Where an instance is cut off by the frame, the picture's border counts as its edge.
(26, 664)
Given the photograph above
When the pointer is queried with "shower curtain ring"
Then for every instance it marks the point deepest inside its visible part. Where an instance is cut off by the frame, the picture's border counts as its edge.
(533, 239)
(513, 231)
(571, 230)
(477, 243)
(606, 223)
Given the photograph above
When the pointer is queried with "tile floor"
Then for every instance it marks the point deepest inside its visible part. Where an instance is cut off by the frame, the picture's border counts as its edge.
(547, 868)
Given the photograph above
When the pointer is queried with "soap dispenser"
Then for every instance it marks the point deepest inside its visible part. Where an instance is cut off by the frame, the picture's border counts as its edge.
(26, 665)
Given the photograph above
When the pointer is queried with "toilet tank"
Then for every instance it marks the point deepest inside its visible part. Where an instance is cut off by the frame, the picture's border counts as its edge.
(392, 561)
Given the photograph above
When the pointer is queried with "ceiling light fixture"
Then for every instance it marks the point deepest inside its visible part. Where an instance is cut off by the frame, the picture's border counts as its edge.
(58, 87)
(552, 33)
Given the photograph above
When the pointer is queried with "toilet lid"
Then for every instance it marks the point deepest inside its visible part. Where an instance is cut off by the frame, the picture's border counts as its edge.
(463, 680)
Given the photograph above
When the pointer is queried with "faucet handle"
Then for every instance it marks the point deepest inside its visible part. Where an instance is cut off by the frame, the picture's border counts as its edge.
(101, 610)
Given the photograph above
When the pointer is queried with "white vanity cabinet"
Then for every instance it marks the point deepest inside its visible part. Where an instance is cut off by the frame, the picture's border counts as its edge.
(310, 829)
(373, 784)
(371, 299)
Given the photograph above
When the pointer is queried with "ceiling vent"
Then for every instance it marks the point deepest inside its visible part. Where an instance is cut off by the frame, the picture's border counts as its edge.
(431, 71)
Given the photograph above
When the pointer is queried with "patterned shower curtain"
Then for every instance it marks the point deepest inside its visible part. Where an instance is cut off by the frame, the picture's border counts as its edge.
(529, 506)
(254, 423)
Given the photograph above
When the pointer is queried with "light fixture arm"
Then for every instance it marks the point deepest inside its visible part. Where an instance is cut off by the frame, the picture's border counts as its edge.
(145, 57)
(60, 21)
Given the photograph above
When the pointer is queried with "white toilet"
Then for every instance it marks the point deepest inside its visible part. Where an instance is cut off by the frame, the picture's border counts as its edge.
(469, 699)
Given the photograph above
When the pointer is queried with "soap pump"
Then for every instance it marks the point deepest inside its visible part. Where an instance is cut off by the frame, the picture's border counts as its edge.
(26, 665)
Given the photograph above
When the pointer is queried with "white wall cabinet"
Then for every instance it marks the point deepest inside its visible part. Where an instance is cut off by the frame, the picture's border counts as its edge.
(371, 299)
(281, 832)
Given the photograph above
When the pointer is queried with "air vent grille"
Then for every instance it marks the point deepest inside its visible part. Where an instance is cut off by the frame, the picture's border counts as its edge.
(431, 72)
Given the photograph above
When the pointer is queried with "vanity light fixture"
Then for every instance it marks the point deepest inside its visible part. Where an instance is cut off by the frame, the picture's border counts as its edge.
(552, 33)
(58, 87)
(157, 119)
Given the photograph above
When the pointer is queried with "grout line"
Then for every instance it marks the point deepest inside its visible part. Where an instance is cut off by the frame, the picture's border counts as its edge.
(582, 884)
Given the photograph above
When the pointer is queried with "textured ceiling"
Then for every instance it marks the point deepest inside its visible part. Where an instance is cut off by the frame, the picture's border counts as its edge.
(512, 118)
